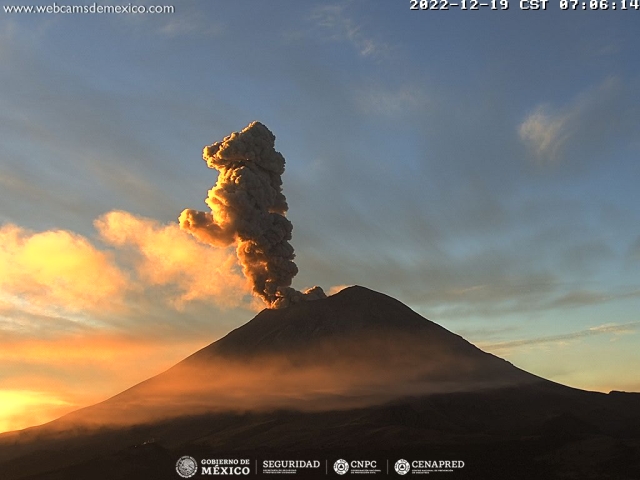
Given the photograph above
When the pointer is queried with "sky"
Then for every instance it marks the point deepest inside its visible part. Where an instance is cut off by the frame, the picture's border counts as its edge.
(479, 166)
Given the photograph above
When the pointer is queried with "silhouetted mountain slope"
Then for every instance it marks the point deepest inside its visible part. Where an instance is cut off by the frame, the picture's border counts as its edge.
(358, 374)
(353, 349)
(356, 322)
(349, 315)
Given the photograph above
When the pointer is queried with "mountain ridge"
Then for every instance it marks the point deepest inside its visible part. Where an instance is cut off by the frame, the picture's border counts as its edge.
(310, 321)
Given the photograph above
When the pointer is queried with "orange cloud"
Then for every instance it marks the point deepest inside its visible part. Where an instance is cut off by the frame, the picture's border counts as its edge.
(59, 268)
(337, 288)
(63, 300)
(24, 408)
(70, 350)
(171, 257)
(47, 378)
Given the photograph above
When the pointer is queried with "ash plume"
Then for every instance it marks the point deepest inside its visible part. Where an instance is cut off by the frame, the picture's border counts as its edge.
(248, 209)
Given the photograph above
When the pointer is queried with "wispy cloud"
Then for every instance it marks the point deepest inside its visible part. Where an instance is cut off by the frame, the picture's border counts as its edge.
(335, 20)
(614, 329)
(590, 123)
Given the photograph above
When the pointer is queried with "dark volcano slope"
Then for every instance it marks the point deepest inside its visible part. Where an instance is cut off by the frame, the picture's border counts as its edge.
(360, 326)
(357, 375)
(357, 324)
(350, 314)
(356, 348)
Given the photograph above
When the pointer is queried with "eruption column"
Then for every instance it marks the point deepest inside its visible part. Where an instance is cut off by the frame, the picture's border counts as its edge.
(248, 209)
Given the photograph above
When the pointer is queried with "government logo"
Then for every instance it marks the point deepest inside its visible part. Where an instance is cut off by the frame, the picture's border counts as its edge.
(402, 467)
(186, 466)
(341, 466)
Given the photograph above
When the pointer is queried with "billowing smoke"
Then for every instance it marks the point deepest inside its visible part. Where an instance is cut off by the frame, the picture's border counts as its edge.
(248, 209)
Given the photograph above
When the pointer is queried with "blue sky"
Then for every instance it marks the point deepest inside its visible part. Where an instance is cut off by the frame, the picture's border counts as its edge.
(480, 166)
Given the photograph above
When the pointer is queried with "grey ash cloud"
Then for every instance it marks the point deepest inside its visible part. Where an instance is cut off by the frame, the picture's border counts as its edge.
(248, 209)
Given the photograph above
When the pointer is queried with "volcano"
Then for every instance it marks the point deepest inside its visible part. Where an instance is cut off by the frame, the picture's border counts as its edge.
(355, 375)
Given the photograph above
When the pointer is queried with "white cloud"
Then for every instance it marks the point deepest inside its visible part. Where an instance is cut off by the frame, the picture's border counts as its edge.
(335, 20)
(598, 120)
(545, 132)
(609, 328)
